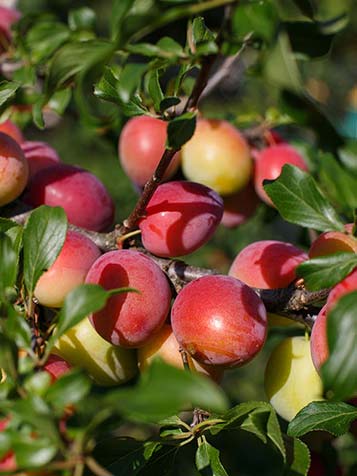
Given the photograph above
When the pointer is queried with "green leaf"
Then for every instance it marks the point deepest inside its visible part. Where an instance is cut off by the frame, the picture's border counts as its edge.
(168, 102)
(129, 80)
(119, 11)
(108, 89)
(69, 389)
(299, 200)
(180, 130)
(334, 417)
(37, 114)
(37, 383)
(339, 371)
(154, 89)
(45, 37)
(18, 329)
(79, 303)
(332, 16)
(260, 19)
(281, 67)
(81, 19)
(326, 271)
(166, 48)
(8, 356)
(33, 452)
(339, 183)
(75, 58)
(147, 401)
(207, 456)
(7, 90)
(60, 100)
(298, 458)
(8, 263)
(44, 236)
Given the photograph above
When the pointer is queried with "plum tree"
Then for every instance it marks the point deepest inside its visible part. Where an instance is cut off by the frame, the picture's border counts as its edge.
(68, 271)
(269, 162)
(180, 217)
(14, 169)
(107, 364)
(141, 145)
(82, 196)
(130, 319)
(289, 365)
(219, 320)
(217, 156)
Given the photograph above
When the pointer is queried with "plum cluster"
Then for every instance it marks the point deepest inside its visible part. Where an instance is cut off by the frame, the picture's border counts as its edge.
(211, 324)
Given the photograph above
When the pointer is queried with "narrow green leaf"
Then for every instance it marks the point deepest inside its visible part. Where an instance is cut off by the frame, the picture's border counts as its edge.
(281, 67)
(180, 130)
(82, 18)
(70, 389)
(168, 102)
(119, 11)
(7, 90)
(207, 456)
(298, 458)
(339, 183)
(259, 19)
(8, 263)
(326, 271)
(154, 89)
(306, 7)
(299, 200)
(8, 356)
(74, 58)
(334, 417)
(339, 371)
(44, 236)
(33, 452)
(18, 329)
(129, 80)
(45, 37)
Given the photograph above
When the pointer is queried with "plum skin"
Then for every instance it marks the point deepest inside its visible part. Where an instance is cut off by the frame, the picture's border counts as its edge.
(269, 163)
(180, 217)
(130, 319)
(68, 271)
(219, 320)
(14, 169)
(106, 364)
(267, 264)
(291, 380)
(141, 145)
(217, 156)
(81, 194)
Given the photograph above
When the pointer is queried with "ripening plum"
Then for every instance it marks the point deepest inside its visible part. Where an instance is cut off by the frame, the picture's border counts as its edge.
(105, 363)
(347, 285)
(291, 380)
(180, 217)
(165, 345)
(39, 156)
(7, 462)
(141, 145)
(267, 264)
(68, 271)
(318, 342)
(10, 128)
(333, 242)
(55, 366)
(130, 319)
(269, 163)
(217, 156)
(14, 169)
(219, 320)
(82, 196)
(239, 207)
